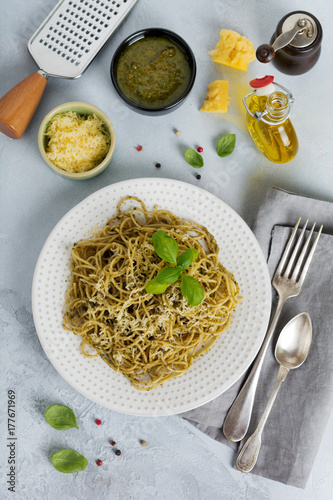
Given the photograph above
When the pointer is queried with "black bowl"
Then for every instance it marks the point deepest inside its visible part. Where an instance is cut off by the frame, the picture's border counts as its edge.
(146, 33)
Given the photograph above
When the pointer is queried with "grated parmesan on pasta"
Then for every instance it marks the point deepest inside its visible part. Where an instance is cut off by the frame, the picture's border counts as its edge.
(149, 338)
(76, 143)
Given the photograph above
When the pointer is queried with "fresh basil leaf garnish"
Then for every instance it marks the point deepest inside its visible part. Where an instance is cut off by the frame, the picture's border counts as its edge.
(167, 249)
(194, 158)
(165, 246)
(69, 461)
(186, 258)
(168, 275)
(155, 287)
(192, 290)
(226, 145)
(61, 417)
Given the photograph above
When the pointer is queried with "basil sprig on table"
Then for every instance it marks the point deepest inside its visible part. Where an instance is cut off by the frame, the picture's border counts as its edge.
(167, 249)
(226, 145)
(193, 158)
(69, 461)
(61, 417)
(224, 148)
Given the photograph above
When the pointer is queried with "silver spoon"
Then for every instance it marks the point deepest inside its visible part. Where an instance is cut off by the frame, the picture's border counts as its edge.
(291, 351)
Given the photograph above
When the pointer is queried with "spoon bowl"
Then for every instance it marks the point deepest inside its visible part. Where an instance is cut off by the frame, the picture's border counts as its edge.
(293, 345)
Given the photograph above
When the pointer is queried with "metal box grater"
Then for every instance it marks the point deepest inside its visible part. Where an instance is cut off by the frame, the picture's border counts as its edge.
(73, 33)
(62, 47)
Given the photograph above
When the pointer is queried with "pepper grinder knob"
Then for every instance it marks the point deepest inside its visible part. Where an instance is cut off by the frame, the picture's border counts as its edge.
(265, 53)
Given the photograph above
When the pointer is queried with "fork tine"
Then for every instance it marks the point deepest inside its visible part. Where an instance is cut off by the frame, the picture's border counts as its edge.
(301, 257)
(285, 254)
(295, 251)
(309, 258)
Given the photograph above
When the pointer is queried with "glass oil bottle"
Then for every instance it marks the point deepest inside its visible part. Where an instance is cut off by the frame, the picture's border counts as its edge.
(268, 120)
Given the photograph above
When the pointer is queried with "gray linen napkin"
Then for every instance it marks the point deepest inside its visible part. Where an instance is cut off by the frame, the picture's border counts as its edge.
(292, 435)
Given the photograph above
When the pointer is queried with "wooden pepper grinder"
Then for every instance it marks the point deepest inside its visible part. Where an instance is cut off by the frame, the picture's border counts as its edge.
(295, 45)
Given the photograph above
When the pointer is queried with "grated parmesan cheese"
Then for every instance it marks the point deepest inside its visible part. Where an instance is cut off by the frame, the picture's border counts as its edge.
(76, 143)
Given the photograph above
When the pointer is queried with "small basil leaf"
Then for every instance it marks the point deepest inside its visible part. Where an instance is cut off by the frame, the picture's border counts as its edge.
(61, 417)
(165, 246)
(194, 158)
(156, 288)
(69, 461)
(168, 275)
(226, 145)
(186, 258)
(192, 290)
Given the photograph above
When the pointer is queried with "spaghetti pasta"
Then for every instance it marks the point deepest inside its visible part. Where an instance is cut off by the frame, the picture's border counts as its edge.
(148, 338)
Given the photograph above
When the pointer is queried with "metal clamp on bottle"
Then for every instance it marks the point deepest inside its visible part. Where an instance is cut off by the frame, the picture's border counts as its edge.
(260, 115)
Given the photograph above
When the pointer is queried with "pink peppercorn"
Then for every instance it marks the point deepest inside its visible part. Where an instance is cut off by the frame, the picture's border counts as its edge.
(99, 463)
(112, 443)
(200, 149)
(139, 148)
(98, 422)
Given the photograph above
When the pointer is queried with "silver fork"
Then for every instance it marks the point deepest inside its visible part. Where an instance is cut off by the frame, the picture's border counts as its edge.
(287, 281)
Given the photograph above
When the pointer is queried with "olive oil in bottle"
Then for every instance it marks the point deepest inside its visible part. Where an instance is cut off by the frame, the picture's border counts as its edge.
(268, 120)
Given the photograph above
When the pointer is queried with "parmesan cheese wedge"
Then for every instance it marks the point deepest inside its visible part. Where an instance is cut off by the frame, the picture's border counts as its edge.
(217, 98)
(233, 50)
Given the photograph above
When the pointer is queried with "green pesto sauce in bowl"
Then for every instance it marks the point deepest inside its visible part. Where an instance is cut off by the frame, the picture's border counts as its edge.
(153, 72)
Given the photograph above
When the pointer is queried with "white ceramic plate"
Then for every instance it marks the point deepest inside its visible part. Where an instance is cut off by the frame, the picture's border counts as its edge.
(211, 374)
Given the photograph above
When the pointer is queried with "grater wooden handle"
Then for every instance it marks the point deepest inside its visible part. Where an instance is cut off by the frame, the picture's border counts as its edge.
(18, 106)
